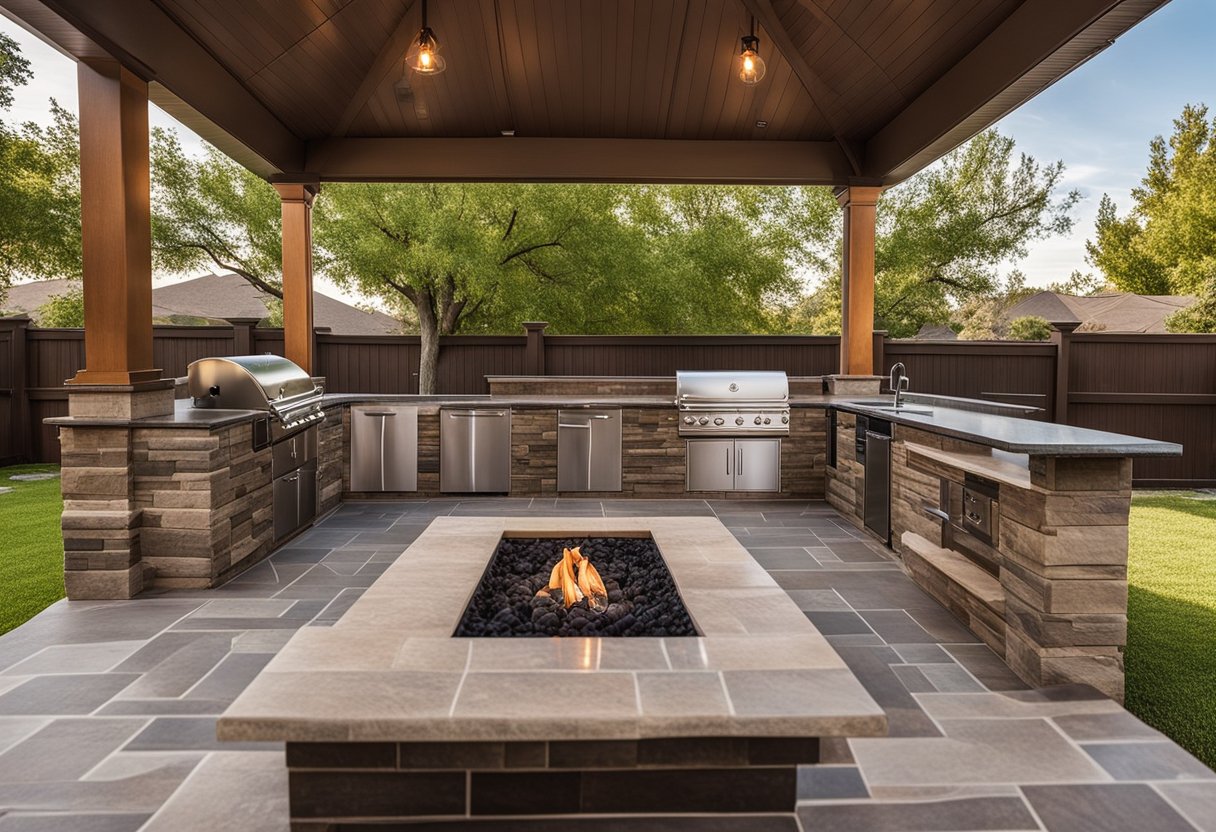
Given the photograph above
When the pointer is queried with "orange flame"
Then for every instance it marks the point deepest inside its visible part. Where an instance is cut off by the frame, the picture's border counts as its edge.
(577, 579)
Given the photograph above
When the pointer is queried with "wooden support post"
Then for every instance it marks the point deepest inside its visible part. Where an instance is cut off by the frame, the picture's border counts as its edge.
(534, 356)
(880, 349)
(116, 226)
(299, 341)
(1061, 336)
(857, 280)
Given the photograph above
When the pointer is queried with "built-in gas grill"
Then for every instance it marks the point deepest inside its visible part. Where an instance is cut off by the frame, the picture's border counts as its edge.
(292, 402)
(745, 403)
(257, 382)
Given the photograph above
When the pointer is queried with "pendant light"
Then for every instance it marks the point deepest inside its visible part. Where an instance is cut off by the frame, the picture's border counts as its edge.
(751, 65)
(423, 56)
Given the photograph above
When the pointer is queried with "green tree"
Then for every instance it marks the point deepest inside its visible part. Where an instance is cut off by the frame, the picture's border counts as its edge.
(942, 234)
(586, 258)
(63, 310)
(211, 212)
(1029, 328)
(39, 186)
(1166, 242)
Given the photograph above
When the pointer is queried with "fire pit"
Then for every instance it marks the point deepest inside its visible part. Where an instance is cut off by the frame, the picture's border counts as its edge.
(598, 586)
(390, 718)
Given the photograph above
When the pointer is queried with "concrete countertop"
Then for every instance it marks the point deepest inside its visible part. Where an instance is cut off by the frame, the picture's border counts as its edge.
(987, 423)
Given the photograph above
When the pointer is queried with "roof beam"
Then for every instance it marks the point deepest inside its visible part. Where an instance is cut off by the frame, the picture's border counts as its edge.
(151, 44)
(520, 159)
(391, 54)
(822, 96)
(1040, 42)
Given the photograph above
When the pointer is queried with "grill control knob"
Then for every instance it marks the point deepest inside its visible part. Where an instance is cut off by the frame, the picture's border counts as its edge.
(688, 420)
(767, 421)
(704, 420)
(738, 420)
(785, 419)
(719, 421)
(759, 421)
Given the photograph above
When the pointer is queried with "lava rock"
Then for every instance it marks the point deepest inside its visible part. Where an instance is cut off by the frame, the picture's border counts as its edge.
(642, 596)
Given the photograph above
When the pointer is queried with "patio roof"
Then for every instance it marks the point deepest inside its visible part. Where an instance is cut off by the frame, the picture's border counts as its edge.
(856, 93)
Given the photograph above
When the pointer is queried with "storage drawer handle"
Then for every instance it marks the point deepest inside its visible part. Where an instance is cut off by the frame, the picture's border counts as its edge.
(579, 427)
(938, 513)
(476, 414)
(381, 413)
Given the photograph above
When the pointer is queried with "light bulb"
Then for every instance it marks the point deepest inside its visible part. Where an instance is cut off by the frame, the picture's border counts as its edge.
(751, 65)
(424, 57)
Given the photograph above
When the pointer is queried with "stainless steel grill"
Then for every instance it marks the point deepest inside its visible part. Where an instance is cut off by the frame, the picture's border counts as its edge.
(257, 382)
(744, 403)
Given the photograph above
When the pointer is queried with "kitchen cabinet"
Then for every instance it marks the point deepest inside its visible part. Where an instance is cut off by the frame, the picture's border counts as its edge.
(734, 464)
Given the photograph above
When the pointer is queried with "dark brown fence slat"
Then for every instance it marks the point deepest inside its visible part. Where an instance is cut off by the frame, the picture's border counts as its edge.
(1159, 386)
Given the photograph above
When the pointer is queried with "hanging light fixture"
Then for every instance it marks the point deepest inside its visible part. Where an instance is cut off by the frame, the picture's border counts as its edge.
(423, 56)
(751, 65)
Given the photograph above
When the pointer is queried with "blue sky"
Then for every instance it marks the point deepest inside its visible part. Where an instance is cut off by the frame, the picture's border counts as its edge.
(1098, 120)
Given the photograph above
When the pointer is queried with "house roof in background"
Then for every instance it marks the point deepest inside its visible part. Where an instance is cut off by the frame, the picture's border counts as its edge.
(1107, 312)
(219, 297)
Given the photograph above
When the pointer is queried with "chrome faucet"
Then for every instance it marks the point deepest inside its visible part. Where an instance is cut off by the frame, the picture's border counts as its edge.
(899, 380)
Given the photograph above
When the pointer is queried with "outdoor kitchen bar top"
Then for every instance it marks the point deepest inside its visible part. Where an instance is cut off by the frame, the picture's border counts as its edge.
(993, 424)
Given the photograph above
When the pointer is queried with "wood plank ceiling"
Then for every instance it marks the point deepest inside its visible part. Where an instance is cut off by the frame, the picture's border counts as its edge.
(588, 68)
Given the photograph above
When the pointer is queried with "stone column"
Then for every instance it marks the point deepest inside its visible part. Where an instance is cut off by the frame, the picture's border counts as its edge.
(1064, 571)
(299, 343)
(857, 280)
(100, 515)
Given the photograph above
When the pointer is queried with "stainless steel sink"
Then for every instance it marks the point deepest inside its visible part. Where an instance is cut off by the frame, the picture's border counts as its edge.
(905, 408)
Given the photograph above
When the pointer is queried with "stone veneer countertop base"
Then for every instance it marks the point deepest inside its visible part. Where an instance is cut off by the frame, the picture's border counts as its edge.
(389, 669)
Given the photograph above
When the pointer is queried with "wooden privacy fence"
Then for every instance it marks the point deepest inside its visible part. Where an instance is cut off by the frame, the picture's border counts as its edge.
(1159, 386)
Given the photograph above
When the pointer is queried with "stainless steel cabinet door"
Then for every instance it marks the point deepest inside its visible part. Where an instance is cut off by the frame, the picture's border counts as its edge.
(285, 496)
(757, 464)
(475, 451)
(711, 464)
(588, 450)
(384, 448)
(877, 501)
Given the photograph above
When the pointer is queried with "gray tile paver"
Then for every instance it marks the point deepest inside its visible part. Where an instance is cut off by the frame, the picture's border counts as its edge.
(183, 676)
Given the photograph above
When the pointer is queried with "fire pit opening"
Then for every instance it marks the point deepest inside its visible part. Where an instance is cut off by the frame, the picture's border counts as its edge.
(576, 586)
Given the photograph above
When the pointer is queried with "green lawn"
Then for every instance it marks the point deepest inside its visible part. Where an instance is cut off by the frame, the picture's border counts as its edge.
(31, 547)
(1171, 640)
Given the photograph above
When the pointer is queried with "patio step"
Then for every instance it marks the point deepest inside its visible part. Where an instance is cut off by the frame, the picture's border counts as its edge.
(971, 593)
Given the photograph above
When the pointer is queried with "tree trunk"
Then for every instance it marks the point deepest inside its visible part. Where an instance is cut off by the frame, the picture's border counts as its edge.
(428, 331)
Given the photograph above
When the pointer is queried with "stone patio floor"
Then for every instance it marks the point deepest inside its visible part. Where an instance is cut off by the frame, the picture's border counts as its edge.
(108, 709)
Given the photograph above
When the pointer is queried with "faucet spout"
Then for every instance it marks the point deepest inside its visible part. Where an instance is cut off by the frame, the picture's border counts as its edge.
(899, 380)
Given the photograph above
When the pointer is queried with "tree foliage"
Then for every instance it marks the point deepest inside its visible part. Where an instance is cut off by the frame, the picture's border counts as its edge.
(213, 213)
(942, 234)
(63, 310)
(1166, 243)
(39, 186)
(1029, 328)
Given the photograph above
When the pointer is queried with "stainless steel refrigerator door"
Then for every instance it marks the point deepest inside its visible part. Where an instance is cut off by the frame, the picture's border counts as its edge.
(384, 448)
(475, 451)
(285, 497)
(877, 502)
(711, 464)
(588, 450)
(757, 464)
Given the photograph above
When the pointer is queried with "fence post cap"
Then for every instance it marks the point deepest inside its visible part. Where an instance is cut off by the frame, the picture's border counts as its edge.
(535, 326)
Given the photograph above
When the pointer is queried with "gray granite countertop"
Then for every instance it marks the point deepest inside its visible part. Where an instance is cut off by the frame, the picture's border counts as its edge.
(1007, 433)
(987, 423)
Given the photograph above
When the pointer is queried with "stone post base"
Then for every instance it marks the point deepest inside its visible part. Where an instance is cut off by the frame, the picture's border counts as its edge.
(126, 401)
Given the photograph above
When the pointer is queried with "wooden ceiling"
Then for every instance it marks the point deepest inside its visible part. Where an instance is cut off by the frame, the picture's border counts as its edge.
(614, 90)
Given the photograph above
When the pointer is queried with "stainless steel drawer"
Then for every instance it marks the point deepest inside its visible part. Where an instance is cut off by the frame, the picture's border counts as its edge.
(589, 450)
(384, 448)
(475, 451)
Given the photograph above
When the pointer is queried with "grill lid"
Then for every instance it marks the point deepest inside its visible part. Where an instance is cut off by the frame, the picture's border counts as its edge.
(732, 389)
(256, 382)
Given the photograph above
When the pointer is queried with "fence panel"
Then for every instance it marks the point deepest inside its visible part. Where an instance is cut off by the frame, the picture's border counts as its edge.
(663, 355)
(368, 363)
(1158, 386)
(999, 371)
